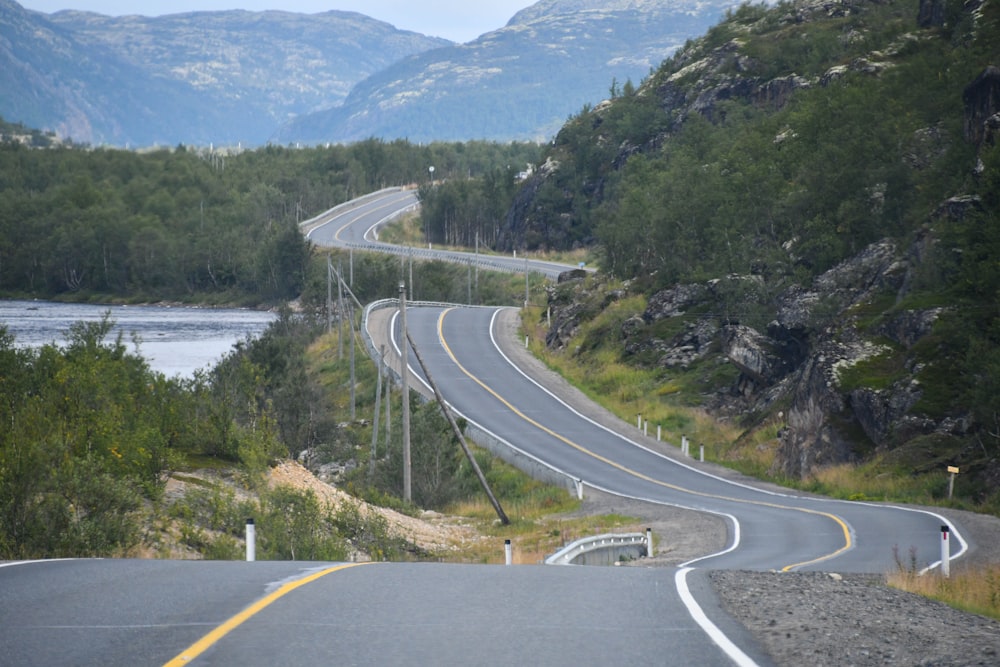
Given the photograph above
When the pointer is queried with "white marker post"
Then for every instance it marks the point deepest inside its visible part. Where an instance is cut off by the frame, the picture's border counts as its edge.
(251, 541)
(649, 543)
(945, 553)
(508, 552)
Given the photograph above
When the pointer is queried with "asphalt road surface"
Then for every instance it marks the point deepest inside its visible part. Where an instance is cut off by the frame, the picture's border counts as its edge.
(355, 225)
(134, 613)
(769, 530)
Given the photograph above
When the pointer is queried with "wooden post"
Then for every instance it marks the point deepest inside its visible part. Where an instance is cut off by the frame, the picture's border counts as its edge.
(458, 434)
(404, 373)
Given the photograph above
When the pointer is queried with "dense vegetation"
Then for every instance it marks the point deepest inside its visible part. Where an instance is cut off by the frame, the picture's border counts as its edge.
(188, 224)
(779, 145)
(107, 431)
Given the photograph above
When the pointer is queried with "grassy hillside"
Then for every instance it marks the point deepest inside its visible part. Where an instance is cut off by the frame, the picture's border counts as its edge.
(736, 198)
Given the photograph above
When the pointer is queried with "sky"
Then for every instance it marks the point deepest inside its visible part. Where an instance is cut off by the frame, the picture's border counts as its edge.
(457, 20)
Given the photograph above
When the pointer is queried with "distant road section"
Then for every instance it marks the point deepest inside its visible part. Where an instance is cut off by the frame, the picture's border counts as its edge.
(355, 225)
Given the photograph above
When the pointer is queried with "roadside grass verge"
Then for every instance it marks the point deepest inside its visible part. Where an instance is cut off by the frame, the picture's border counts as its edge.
(636, 394)
(975, 590)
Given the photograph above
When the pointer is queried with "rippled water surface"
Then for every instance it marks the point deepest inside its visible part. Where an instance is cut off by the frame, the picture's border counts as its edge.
(175, 340)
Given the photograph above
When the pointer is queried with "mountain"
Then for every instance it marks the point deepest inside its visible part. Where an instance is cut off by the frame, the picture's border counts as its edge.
(199, 77)
(798, 217)
(519, 82)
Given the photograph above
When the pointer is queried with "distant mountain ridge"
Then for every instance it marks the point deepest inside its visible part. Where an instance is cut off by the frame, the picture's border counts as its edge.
(254, 77)
(520, 82)
(185, 78)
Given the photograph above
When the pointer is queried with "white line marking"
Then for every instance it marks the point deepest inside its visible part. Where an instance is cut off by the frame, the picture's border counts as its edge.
(732, 651)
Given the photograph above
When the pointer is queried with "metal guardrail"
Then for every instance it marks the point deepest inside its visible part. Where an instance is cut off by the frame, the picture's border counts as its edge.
(602, 550)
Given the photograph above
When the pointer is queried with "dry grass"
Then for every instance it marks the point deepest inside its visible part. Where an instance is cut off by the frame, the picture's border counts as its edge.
(534, 531)
(975, 590)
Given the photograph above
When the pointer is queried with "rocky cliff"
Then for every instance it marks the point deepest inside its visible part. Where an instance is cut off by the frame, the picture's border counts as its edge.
(875, 356)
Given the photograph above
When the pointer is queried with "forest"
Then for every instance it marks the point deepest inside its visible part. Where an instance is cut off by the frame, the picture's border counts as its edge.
(189, 224)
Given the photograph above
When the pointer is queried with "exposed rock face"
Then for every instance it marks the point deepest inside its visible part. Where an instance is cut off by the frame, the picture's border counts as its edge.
(931, 13)
(982, 102)
(801, 360)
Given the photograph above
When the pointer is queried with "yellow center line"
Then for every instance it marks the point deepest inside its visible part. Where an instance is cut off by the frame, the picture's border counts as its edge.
(191, 652)
(603, 459)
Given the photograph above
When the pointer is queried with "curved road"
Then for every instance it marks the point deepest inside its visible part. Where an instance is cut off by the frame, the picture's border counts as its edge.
(355, 225)
(769, 531)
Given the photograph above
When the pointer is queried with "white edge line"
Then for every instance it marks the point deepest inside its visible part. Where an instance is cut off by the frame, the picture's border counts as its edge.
(732, 651)
(38, 560)
(737, 534)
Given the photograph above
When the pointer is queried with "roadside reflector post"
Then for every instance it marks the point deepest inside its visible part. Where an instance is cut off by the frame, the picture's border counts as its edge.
(638, 420)
(645, 427)
(578, 483)
(945, 553)
(251, 541)
(659, 432)
(649, 543)
(508, 552)
(701, 455)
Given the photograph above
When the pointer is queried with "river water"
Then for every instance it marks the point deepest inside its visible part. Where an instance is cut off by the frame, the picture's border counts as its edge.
(174, 340)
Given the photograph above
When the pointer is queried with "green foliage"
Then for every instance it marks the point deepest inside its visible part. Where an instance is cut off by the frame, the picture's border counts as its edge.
(195, 225)
(88, 416)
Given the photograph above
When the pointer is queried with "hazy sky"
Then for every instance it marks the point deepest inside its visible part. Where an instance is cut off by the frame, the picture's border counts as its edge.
(457, 20)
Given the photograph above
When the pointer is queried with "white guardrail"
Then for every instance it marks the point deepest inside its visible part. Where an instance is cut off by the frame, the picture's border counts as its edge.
(602, 550)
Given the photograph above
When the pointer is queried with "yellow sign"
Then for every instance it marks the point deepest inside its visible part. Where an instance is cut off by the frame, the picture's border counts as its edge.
(953, 470)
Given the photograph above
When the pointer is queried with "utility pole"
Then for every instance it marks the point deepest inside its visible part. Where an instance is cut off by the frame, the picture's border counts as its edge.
(526, 281)
(458, 434)
(378, 414)
(329, 294)
(354, 381)
(404, 372)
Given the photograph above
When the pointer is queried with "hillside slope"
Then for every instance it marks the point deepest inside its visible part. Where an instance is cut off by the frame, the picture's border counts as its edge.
(808, 196)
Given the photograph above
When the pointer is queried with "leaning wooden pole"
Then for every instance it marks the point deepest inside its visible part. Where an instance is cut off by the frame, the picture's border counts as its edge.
(458, 433)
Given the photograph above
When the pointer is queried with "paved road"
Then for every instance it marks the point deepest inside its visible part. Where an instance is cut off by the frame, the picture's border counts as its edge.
(136, 613)
(355, 225)
(113, 612)
(769, 531)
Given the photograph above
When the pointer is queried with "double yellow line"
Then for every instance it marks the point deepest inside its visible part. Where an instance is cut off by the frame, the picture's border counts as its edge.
(848, 542)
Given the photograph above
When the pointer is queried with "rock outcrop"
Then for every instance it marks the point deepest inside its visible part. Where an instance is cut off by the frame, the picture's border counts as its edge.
(806, 359)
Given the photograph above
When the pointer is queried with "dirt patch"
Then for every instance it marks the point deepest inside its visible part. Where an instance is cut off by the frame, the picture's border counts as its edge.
(433, 532)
